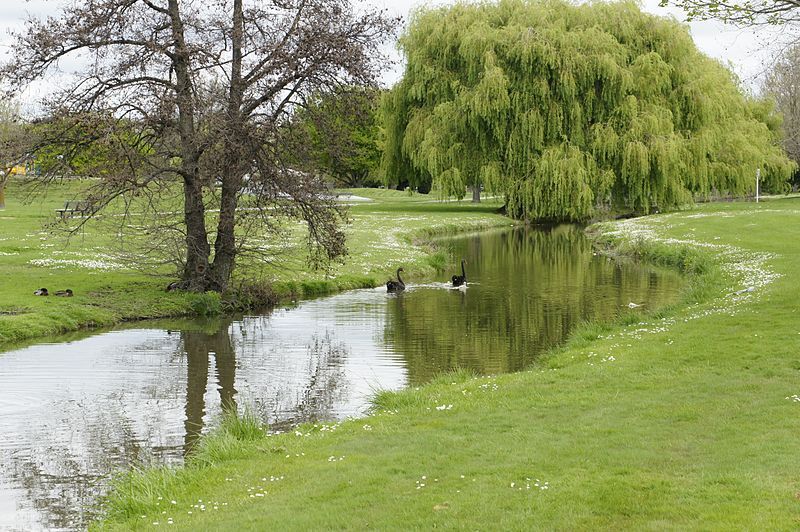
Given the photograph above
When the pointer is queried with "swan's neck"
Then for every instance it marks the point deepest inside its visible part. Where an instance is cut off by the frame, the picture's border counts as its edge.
(463, 271)
(399, 279)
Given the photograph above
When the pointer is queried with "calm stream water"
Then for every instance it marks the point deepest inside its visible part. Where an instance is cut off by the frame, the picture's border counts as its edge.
(73, 411)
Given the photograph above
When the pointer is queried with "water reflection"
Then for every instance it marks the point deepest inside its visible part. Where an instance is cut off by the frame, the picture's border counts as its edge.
(199, 347)
(326, 386)
(66, 421)
(527, 290)
(73, 412)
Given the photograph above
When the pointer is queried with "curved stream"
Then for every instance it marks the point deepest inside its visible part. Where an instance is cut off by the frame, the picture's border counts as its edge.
(73, 411)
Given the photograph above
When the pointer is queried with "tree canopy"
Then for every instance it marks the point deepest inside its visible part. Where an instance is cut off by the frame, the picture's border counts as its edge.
(564, 109)
(344, 135)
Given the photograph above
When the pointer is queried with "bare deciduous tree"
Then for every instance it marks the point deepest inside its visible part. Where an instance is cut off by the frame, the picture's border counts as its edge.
(747, 13)
(783, 85)
(198, 92)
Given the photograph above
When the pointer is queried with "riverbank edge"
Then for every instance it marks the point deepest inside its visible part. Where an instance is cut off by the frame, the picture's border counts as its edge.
(244, 297)
(137, 492)
(424, 238)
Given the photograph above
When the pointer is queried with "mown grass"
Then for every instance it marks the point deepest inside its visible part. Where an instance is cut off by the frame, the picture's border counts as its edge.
(383, 234)
(686, 418)
(103, 296)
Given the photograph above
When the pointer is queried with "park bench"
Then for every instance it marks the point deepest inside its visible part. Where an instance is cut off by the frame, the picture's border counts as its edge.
(72, 207)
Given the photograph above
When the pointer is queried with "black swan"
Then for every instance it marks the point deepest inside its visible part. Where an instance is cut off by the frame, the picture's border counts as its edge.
(459, 280)
(64, 293)
(41, 292)
(396, 286)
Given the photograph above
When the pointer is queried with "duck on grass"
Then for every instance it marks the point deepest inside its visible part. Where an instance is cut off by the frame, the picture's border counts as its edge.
(59, 293)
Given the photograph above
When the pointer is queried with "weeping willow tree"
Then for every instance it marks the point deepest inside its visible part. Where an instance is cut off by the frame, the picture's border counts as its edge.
(568, 109)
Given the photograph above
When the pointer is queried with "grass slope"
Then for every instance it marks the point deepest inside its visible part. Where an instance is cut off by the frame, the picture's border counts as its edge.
(680, 420)
(383, 234)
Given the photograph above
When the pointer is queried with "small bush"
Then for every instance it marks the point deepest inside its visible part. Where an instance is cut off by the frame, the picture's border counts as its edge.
(438, 261)
(133, 492)
(231, 440)
(206, 304)
(248, 296)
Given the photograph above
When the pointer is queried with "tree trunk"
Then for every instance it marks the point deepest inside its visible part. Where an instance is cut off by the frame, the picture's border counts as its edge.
(197, 247)
(195, 273)
(225, 243)
(476, 194)
(4, 178)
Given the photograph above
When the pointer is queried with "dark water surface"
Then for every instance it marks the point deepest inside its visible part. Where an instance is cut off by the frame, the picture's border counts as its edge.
(73, 412)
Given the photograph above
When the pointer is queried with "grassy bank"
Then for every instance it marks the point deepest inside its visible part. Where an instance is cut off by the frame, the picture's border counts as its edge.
(384, 233)
(684, 419)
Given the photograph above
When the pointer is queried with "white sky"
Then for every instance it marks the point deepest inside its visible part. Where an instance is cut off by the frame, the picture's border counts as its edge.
(749, 53)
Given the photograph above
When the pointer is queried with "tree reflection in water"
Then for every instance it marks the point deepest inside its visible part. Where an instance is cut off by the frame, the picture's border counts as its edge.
(60, 471)
(327, 382)
(200, 346)
(62, 480)
(309, 393)
(528, 289)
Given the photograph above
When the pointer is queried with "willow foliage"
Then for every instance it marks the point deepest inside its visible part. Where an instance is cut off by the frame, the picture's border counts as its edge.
(565, 109)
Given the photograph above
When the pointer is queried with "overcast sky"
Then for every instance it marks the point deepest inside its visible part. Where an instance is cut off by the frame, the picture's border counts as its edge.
(749, 53)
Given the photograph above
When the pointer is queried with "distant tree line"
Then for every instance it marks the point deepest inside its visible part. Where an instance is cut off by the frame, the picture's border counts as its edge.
(344, 135)
(782, 83)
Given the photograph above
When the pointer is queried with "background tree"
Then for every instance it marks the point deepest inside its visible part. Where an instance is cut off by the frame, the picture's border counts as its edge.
(564, 109)
(207, 88)
(344, 135)
(749, 13)
(782, 84)
(11, 141)
(79, 144)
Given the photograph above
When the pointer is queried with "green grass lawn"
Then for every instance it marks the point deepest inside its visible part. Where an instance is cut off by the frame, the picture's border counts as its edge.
(680, 419)
(389, 232)
(32, 256)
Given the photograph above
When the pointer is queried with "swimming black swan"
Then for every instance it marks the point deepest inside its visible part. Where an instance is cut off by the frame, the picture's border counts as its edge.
(396, 286)
(459, 280)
